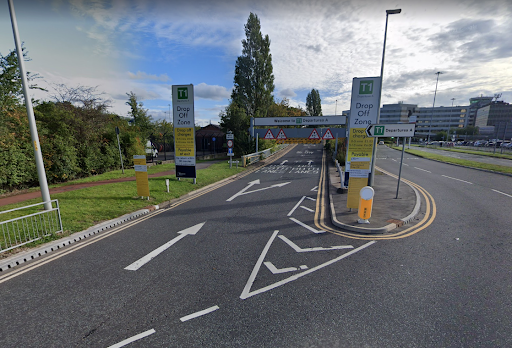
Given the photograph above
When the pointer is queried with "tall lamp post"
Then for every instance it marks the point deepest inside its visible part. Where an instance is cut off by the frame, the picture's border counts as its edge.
(374, 156)
(433, 104)
(41, 173)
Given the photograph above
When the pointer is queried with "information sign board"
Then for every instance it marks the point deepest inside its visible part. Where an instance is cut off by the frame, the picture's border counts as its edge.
(184, 131)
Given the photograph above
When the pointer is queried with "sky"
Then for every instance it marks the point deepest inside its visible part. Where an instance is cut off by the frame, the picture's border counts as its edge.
(145, 47)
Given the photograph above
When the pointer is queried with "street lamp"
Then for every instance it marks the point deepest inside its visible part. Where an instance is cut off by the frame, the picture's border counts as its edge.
(434, 103)
(374, 156)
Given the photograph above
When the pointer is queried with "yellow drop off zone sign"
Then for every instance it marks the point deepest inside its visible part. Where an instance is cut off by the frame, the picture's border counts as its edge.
(184, 142)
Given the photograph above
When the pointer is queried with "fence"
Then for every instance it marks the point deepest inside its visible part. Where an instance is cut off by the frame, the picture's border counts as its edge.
(21, 230)
(257, 156)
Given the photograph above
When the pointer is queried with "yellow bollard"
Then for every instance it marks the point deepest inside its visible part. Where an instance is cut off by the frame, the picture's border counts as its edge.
(365, 204)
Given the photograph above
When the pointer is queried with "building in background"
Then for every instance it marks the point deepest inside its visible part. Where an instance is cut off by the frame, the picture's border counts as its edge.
(497, 114)
(474, 105)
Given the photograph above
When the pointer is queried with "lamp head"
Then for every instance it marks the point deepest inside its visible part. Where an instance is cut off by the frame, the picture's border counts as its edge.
(393, 11)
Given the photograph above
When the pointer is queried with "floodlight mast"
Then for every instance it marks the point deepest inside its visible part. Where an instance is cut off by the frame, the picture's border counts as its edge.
(43, 184)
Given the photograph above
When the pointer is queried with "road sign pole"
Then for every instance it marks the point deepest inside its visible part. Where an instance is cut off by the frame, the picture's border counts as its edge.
(400, 171)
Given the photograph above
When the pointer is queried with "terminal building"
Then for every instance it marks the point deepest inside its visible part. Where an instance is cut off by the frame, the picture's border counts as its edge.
(494, 117)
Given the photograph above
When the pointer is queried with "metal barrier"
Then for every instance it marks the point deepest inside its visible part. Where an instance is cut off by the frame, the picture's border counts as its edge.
(25, 229)
(257, 156)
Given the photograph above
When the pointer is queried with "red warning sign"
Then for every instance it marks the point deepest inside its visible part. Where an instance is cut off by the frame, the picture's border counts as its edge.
(269, 135)
(281, 135)
(328, 134)
(314, 135)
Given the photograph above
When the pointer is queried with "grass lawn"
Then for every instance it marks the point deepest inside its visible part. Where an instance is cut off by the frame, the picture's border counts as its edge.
(466, 163)
(474, 152)
(86, 207)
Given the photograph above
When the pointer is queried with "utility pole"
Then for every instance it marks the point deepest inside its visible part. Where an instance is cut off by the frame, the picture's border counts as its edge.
(41, 173)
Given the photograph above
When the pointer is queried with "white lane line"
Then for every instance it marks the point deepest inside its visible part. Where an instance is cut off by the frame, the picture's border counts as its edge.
(133, 339)
(296, 206)
(428, 171)
(306, 226)
(308, 209)
(198, 314)
(276, 270)
(315, 188)
(305, 250)
(247, 293)
(449, 177)
(394, 159)
(252, 277)
(503, 193)
(405, 164)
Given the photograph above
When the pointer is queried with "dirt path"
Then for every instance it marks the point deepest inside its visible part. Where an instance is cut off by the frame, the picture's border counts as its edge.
(37, 194)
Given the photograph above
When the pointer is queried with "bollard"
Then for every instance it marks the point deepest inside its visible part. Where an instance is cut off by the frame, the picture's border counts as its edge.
(167, 184)
(365, 204)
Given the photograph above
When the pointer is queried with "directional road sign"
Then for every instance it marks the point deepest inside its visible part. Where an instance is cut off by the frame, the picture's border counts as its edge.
(391, 130)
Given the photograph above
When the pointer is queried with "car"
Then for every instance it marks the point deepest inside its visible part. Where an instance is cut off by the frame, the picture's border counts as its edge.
(381, 142)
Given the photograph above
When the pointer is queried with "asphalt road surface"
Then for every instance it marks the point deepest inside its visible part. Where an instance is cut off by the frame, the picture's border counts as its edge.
(245, 265)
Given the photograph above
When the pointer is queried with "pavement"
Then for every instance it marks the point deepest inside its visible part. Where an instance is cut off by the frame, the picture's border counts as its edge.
(388, 213)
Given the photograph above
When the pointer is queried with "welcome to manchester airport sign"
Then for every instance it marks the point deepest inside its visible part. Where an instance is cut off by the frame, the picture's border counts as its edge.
(300, 121)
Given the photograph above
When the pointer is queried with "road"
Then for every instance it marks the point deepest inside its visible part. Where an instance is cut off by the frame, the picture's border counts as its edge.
(246, 265)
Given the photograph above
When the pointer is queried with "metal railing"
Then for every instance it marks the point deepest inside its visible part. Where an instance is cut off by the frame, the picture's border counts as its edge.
(257, 156)
(21, 230)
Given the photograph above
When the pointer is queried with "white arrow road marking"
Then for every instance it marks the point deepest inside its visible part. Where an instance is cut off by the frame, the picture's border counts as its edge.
(306, 226)
(198, 314)
(276, 270)
(309, 162)
(133, 339)
(305, 250)
(246, 293)
(315, 189)
(282, 163)
(241, 192)
(245, 192)
(142, 261)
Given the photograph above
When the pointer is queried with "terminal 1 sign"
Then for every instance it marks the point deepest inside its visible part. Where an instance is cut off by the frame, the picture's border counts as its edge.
(184, 131)
(364, 109)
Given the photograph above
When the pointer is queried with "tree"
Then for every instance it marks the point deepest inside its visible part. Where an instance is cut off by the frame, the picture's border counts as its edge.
(254, 79)
(314, 103)
(11, 86)
(87, 97)
(140, 116)
(234, 119)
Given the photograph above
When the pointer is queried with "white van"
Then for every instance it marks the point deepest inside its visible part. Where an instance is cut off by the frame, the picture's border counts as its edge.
(151, 150)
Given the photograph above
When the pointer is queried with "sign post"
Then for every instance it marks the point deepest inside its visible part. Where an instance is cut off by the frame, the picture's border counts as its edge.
(184, 131)
(231, 143)
(141, 175)
(363, 112)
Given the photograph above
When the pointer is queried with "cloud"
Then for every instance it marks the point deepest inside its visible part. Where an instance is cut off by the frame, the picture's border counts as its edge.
(213, 92)
(143, 76)
(287, 93)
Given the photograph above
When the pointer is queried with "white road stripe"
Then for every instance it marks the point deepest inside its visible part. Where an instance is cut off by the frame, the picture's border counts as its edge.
(132, 339)
(306, 226)
(198, 314)
(276, 270)
(252, 277)
(308, 209)
(449, 177)
(296, 206)
(305, 250)
(247, 293)
(428, 171)
(503, 193)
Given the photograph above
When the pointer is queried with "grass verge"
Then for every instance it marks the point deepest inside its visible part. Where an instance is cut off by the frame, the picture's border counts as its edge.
(473, 152)
(83, 208)
(462, 162)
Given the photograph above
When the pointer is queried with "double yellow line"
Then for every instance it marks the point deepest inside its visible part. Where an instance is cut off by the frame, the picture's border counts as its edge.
(322, 211)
